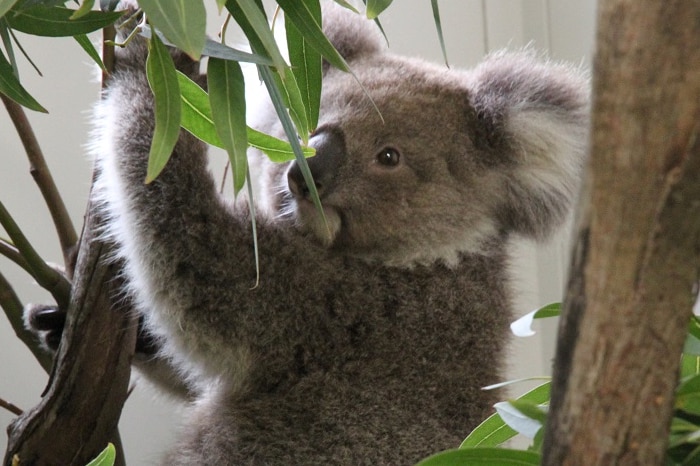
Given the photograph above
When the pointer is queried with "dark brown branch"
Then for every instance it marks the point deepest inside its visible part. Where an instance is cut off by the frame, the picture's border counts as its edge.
(79, 413)
(40, 171)
(45, 275)
(10, 407)
(637, 258)
(12, 306)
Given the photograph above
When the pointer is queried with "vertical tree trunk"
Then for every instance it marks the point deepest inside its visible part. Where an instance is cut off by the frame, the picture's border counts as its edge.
(636, 261)
(80, 410)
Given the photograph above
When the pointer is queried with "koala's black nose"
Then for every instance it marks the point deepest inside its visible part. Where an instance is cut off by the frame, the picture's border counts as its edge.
(330, 155)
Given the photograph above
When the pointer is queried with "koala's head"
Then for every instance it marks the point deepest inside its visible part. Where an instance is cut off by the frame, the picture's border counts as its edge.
(456, 160)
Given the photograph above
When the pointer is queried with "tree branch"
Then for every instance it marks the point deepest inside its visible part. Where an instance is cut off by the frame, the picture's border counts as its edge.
(9, 250)
(12, 306)
(41, 174)
(79, 413)
(635, 265)
(45, 275)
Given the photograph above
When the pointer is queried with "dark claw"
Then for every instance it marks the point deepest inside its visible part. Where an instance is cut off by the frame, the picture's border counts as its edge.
(48, 318)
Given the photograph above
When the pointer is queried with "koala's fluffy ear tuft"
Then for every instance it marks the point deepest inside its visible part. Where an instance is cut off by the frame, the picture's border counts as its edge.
(351, 34)
(536, 114)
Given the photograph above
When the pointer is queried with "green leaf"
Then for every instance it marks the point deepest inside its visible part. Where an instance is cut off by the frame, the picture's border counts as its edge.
(84, 9)
(85, 43)
(304, 16)
(197, 119)
(227, 100)
(162, 78)
(5, 6)
(375, 7)
(438, 27)
(483, 456)
(493, 431)
(11, 87)
(250, 16)
(219, 50)
(307, 65)
(523, 326)
(106, 458)
(276, 150)
(690, 365)
(530, 409)
(345, 4)
(183, 22)
(57, 22)
(292, 99)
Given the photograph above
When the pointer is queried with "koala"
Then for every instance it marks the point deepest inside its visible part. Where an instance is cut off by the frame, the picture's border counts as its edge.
(371, 334)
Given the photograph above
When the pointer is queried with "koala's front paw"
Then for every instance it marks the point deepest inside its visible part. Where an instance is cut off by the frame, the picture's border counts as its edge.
(46, 322)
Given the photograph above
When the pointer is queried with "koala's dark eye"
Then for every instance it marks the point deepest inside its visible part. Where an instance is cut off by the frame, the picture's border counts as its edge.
(389, 157)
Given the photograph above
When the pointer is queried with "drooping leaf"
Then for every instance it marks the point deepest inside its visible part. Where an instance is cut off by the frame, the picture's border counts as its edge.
(162, 79)
(438, 28)
(345, 4)
(219, 50)
(306, 18)
(106, 458)
(523, 326)
(83, 10)
(89, 48)
(493, 431)
(293, 101)
(183, 22)
(483, 456)
(197, 119)
(11, 87)
(250, 16)
(690, 365)
(56, 21)
(227, 100)
(5, 6)
(7, 43)
(307, 64)
(688, 395)
(375, 7)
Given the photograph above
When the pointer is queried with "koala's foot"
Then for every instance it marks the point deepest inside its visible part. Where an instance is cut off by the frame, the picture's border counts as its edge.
(47, 323)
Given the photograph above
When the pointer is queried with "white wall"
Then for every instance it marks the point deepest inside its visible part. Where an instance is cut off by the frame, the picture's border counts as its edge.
(471, 27)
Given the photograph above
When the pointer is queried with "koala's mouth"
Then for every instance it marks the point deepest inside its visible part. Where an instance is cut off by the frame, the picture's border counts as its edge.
(325, 226)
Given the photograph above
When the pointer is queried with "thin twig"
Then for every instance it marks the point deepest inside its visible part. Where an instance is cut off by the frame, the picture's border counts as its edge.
(9, 250)
(45, 275)
(12, 306)
(10, 407)
(42, 176)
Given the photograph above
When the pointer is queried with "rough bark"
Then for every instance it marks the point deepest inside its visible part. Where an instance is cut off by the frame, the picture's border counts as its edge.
(80, 409)
(635, 264)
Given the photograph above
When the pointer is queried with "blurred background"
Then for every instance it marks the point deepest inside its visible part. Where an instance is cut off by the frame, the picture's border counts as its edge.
(564, 29)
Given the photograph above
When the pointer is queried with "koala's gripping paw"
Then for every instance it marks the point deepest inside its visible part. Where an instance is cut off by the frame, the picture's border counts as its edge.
(46, 322)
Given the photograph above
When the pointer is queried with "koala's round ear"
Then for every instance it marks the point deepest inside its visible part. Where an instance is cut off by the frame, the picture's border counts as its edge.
(535, 114)
(350, 33)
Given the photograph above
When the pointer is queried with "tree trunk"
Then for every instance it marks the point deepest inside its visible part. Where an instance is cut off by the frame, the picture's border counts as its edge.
(80, 410)
(635, 264)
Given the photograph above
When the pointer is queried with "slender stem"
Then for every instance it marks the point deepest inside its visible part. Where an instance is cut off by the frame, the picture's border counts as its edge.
(12, 306)
(10, 407)
(46, 276)
(41, 174)
(8, 250)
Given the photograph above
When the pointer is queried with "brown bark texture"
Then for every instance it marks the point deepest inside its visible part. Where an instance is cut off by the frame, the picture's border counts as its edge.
(80, 409)
(635, 264)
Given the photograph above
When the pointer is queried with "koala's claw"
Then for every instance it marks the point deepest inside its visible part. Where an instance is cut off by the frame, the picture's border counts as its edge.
(46, 322)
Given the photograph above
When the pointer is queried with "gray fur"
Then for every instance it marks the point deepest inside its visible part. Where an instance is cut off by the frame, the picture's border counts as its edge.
(368, 345)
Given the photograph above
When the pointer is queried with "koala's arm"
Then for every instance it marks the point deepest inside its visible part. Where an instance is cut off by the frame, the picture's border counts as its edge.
(186, 252)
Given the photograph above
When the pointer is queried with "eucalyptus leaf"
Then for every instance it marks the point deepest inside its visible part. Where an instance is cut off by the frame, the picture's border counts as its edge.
(523, 326)
(494, 431)
(5, 6)
(11, 87)
(219, 50)
(438, 28)
(106, 458)
(690, 365)
(307, 65)
(292, 99)
(85, 7)
(347, 5)
(306, 18)
(183, 22)
(162, 79)
(250, 16)
(197, 119)
(483, 456)
(89, 48)
(375, 7)
(227, 100)
(56, 21)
